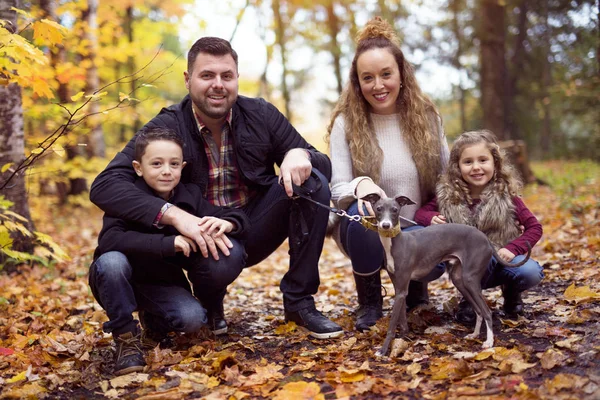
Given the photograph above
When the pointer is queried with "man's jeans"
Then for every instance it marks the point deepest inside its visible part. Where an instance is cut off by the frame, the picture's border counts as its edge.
(275, 217)
(170, 307)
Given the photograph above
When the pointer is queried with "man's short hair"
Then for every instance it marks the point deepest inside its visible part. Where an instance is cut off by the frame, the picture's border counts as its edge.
(147, 136)
(210, 45)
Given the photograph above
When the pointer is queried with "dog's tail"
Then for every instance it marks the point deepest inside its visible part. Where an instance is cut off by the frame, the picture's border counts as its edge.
(501, 261)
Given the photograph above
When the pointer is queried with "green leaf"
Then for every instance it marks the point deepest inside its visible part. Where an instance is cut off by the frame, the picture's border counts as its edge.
(17, 255)
(6, 166)
(77, 96)
(5, 239)
(22, 12)
(15, 215)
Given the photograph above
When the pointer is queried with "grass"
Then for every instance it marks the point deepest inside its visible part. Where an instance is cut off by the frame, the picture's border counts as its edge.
(576, 183)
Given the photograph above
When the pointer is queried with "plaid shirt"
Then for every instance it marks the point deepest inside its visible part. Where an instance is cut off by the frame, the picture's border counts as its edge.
(225, 184)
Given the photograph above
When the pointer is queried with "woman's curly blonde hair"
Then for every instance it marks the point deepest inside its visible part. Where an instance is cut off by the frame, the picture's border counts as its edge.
(418, 116)
(505, 178)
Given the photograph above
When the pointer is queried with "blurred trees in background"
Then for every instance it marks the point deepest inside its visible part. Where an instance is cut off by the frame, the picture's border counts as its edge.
(526, 69)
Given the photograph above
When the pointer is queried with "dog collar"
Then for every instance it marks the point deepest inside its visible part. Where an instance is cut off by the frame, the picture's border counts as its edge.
(368, 223)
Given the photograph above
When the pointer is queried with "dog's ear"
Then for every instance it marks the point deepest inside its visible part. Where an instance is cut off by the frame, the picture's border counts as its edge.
(404, 201)
(371, 198)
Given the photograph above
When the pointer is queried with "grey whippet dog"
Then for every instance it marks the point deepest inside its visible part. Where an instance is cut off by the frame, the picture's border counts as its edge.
(414, 254)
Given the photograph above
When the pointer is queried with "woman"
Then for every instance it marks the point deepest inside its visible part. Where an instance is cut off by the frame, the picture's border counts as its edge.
(385, 137)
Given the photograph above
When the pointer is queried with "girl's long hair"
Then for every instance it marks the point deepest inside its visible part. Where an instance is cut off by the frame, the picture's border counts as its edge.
(418, 116)
(505, 178)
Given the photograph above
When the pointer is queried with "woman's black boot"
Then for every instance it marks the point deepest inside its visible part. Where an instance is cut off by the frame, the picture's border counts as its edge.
(370, 300)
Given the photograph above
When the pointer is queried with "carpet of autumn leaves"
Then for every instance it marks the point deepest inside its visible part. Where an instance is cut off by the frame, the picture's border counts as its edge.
(52, 345)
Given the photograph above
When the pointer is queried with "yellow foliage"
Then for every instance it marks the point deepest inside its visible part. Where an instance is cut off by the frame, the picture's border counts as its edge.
(46, 32)
(18, 55)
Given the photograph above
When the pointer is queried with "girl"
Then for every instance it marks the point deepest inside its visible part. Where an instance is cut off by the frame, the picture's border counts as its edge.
(480, 189)
(386, 137)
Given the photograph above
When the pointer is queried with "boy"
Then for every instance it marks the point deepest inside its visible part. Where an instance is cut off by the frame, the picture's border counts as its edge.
(140, 268)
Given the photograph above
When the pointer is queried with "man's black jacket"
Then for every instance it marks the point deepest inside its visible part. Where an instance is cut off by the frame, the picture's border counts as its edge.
(261, 138)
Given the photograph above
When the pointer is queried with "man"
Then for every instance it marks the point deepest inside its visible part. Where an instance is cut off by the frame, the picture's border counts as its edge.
(231, 146)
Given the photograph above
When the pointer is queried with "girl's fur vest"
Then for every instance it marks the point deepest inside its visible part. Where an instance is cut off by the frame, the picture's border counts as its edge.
(494, 215)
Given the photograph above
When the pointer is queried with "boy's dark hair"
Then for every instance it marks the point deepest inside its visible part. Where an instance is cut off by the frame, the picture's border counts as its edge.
(149, 135)
(210, 45)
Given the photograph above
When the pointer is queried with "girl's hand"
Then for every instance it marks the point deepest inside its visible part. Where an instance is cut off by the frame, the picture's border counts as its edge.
(214, 226)
(365, 187)
(438, 219)
(506, 255)
(184, 244)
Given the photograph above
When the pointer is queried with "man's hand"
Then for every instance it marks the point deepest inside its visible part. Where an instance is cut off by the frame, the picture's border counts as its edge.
(295, 168)
(365, 187)
(215, 226)
(184, 244)
(506, 255)
(189, 225)
(438, 219)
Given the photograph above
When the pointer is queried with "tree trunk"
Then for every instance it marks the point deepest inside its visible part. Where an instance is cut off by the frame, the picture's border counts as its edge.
(57, 55)
(131, 66)
(493, 68)
(12, 142)
(517, 65)
(334, 27)
(516, 151)
(97, 146)
(281, 40)
(546, 81)
(455, 5)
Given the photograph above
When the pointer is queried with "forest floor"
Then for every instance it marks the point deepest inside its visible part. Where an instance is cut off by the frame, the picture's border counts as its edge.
(52, 344)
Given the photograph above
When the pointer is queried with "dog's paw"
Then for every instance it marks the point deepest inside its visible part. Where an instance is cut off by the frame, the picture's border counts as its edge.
(488, 344)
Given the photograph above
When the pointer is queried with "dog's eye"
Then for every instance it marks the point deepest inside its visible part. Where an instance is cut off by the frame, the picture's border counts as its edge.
(395, 209)
(378, 208)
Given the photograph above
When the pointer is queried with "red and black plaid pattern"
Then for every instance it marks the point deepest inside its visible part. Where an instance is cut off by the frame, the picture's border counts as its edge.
(225, 185)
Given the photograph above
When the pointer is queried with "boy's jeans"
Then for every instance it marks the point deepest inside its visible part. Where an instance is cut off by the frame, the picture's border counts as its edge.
(172, 307)
(516, 279)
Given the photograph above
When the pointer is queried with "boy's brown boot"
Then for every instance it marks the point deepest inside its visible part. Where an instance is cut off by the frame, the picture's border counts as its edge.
(130, 356)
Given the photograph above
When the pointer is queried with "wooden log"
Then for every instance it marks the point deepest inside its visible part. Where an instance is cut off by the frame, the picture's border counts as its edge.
(516, 151)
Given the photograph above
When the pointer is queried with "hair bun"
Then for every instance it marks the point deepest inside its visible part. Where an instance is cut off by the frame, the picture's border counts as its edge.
(378, 27)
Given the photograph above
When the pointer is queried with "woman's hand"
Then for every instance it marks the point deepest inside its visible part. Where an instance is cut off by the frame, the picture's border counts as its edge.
(506, 255)
(438, 219)
(184, 244)
(365, 187)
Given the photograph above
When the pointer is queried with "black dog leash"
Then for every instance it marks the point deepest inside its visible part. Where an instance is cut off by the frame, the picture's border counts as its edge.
(366, 221)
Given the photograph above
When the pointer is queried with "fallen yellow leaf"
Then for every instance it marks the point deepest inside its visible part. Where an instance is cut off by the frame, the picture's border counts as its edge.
(300, 391)
(19, 377)
(580, 294)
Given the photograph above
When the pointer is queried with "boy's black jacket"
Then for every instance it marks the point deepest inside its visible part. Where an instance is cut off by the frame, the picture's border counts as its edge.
(151, 251)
